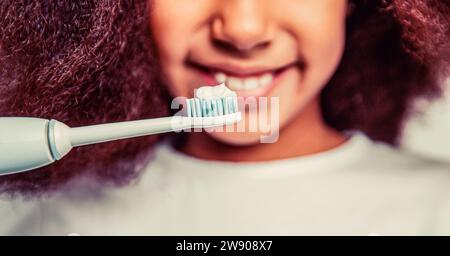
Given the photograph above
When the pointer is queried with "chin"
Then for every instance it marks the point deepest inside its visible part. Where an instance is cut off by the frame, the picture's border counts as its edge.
(236, 138)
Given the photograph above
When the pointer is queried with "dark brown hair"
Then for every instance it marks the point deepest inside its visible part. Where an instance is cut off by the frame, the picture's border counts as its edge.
(87, 62)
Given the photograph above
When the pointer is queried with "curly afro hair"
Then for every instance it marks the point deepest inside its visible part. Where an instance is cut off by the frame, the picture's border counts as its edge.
(85, 62)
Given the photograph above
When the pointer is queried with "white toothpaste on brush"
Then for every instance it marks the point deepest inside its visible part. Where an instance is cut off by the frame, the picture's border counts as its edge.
(211, 92)
(212, 101)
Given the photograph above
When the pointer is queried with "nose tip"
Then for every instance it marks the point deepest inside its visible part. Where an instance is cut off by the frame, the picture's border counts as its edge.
(242, 25)
(245, 37)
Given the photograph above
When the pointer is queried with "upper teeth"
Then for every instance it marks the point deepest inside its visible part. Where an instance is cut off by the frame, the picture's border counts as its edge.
(244, 84)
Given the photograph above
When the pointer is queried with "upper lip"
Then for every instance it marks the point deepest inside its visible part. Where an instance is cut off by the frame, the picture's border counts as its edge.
(239, 70)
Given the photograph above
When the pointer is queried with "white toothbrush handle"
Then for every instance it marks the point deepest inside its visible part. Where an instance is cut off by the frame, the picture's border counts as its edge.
(85, 135)
(28, 143)
(23, 144)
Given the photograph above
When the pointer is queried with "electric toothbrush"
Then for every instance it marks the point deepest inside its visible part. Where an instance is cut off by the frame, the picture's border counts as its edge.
(28, 143)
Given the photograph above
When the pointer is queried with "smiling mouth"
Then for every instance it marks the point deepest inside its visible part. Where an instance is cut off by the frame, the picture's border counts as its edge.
(246, 81)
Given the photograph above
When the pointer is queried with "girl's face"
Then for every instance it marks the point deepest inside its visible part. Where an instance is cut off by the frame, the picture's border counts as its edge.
(264, 48)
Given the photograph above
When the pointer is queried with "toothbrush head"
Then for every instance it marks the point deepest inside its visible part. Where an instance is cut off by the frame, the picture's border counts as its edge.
(212, 101)
(213, 106)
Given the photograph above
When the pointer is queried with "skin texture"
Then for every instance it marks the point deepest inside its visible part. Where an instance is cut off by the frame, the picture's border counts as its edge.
(251, 34)
(86, 62)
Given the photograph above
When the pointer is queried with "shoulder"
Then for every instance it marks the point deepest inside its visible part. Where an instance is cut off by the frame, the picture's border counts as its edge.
(418, 185)
(421, 180)
(384, 156)
(396, 171)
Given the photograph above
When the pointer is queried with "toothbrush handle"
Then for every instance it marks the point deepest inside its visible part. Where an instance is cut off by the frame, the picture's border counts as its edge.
(86, 135)
(23, 144)
(28, 143)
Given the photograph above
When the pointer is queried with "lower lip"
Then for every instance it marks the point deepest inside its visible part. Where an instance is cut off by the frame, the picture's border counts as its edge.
(259, 92)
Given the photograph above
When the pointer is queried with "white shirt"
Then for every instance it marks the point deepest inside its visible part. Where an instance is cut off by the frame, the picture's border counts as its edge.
(358, 188)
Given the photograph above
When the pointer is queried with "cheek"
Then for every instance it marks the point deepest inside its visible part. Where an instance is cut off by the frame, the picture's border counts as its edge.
(171, 38)
(176, 26)
(323, 43)
(324, 48)
(166, 32)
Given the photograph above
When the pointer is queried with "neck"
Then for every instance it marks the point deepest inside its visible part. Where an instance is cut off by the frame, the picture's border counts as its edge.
(306, 134)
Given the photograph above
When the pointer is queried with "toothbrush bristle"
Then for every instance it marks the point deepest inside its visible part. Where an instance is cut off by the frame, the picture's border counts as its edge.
(211, 107)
